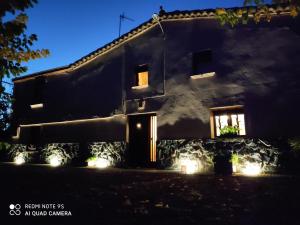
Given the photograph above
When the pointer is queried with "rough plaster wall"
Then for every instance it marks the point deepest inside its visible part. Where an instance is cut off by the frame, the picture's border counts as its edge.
(256, 67)
(145, 49)
(111, 129)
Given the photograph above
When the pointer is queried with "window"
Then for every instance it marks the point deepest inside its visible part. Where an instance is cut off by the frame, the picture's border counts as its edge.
(228, 117)
(142, 77)
(37, 100)
(202, 62)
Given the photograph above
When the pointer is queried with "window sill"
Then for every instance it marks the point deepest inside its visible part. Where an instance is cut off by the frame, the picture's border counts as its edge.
(203, 75)
(139, 87)
(37, 106)
(239, 136)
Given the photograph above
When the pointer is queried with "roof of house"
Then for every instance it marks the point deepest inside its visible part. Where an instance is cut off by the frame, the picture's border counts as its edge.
(281, 9)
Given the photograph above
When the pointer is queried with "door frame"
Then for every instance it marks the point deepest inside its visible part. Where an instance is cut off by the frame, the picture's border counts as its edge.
(151, 161)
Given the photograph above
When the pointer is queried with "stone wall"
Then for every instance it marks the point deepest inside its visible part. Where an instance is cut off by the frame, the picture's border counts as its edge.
(204, 153)
(114, 152)
(171, 152)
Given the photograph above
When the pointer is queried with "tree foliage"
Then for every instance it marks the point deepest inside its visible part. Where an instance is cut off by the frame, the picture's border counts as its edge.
(5, 105)
(15, 44)
(260, 12)
(15, 48)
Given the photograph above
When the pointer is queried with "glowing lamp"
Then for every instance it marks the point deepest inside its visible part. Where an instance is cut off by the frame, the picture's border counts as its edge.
(55, 160)
(189, 166)
(251, 169)
(234, 168)
(138, 125)
(19, 159)
(91, 162)
(102, 163)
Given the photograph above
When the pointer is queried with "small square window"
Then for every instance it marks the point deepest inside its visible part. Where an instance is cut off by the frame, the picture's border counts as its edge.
(39, 86)
(202, 62)
(142, 77)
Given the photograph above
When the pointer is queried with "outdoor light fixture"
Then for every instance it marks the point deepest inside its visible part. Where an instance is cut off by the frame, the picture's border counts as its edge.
(98, 162)
(55, 160)
(189, 166)
(234, 168)
(251, 169)
(102, 163)
(20, 159)
(138, 125)
(91, 162)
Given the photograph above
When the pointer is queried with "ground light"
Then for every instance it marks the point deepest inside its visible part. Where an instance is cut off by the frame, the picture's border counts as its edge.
(20, 159)
(251, 169)
(234, 168)
(55, 160)
(98, 162)
(189, 166)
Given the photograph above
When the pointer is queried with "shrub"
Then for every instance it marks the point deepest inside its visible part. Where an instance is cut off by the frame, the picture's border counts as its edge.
(229, 131)
(114, 152)
(65, 151)
(4, 151)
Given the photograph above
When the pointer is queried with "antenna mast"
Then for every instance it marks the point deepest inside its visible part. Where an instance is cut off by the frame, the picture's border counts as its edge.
(122, 18)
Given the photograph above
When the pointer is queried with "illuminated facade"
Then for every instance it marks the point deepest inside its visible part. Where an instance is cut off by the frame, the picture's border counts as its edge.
(195, 80)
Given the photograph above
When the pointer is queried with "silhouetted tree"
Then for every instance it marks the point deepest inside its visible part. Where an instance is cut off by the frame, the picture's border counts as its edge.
(15, 48)
(5, 106)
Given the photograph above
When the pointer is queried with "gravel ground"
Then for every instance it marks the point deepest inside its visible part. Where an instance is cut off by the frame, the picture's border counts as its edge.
(117, 196)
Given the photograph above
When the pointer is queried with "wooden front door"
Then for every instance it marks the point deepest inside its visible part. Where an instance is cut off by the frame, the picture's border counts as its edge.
(141, 138)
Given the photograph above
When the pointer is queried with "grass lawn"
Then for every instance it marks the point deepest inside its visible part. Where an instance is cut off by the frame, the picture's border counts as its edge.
(148, 197)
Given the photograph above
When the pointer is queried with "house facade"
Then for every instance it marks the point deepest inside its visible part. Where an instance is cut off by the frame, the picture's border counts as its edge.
(182, 77)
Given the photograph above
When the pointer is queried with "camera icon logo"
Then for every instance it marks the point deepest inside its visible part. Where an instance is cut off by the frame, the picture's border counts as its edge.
(15, 209)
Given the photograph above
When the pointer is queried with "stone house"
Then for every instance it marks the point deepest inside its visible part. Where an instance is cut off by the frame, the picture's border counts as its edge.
(183, 76)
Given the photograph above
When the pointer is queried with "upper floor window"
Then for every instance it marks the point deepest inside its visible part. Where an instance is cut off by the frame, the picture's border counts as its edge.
(202, 63)
(38, 93)
(142, 77)
(229, 121)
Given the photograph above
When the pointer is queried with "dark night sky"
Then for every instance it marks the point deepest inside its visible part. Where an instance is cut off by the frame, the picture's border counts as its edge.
(71, 29)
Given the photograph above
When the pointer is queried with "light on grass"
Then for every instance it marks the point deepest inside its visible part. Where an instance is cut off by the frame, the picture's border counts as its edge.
(20, 159)
(251, 169)
(55, 160)
(189, 166)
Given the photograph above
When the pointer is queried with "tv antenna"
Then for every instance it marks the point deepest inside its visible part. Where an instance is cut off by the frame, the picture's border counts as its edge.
(122, 18)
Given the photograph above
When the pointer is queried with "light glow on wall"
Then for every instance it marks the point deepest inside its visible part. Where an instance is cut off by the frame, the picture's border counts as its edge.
(203, 75)
(55, 160)
(99, 163)
(189, 166)
(20, 159)
(251, 169)
(71, 121)
(37, 106)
